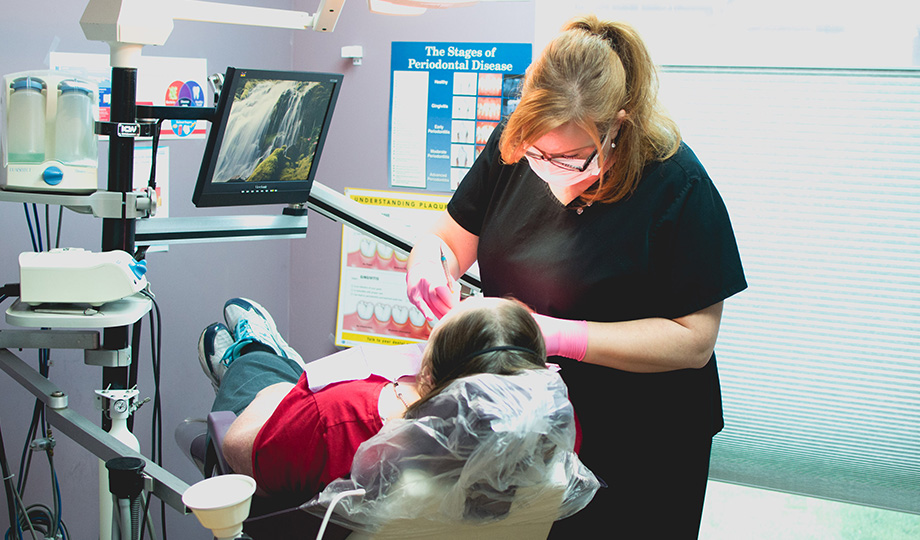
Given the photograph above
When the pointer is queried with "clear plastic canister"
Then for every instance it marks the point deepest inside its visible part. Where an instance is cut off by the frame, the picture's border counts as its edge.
(74, 140)
(26, 121)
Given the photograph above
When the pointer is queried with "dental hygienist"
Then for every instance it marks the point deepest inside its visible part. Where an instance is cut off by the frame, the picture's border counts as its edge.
(587, 206)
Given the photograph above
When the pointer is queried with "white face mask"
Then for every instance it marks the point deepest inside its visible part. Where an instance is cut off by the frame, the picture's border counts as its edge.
(557, 176)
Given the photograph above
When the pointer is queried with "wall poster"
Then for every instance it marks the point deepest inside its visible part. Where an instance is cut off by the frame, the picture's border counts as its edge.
(445, 101)
(373, 305)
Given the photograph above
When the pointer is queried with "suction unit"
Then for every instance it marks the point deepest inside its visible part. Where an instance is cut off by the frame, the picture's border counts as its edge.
(48, 132)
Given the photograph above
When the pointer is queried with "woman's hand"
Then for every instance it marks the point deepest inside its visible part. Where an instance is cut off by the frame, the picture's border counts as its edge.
(564, 337)
(431, 288)
(437, 257)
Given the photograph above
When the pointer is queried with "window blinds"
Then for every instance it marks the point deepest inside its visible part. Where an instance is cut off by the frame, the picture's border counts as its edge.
(820, 357)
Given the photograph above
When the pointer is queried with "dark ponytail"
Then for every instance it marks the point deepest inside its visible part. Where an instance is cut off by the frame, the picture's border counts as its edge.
(487, 335)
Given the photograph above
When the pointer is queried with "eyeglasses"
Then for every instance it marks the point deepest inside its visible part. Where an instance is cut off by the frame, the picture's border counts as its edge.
(569, 164)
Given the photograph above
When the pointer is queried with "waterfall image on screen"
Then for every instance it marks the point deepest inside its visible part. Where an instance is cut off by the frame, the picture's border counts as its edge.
(272, 131)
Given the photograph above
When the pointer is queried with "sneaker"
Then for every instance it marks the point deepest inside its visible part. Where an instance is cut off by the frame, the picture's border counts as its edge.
(213, 343)
(252, 322)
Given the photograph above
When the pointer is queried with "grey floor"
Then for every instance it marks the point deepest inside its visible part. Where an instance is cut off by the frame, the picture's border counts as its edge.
(740, 513)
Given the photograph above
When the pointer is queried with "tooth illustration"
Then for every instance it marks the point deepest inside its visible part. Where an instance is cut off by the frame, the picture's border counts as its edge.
(384, 251)
(401, 261)
(368, 247)
(484, 131)
(400, 314)
(365, 310)
(489, 109)
(382, 312)
(464, 83)
(490, 84)
(416, 317)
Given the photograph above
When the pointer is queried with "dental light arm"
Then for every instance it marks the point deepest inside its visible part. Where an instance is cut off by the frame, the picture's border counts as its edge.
(417, 7)
(323, 20)
(150, 23)
(338, 207)
(128, 25)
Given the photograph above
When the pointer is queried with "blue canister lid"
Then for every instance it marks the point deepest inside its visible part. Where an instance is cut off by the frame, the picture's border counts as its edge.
(52, 175)
(32, 83)
(73, 85)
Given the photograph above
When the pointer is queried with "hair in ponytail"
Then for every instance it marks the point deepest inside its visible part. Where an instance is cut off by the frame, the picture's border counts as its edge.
(590, 72)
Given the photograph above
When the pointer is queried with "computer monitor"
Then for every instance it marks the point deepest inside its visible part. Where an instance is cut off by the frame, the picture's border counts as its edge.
(266, 137)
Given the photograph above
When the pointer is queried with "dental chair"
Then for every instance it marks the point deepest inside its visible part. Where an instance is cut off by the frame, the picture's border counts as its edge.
(192, 436)
(489, 457)
(269, 517)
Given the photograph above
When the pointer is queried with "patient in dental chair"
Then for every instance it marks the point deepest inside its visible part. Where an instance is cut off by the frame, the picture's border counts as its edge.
(444, 408)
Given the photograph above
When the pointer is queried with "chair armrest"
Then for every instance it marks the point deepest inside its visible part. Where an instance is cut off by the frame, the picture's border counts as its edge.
(218, 424)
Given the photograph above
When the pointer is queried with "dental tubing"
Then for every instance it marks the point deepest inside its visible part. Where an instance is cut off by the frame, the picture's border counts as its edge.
(564, 337)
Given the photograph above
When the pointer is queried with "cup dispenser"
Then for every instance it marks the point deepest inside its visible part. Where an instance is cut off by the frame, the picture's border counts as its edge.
(48, 133)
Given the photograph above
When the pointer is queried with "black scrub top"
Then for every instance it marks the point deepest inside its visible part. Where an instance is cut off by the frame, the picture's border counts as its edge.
(667, 250)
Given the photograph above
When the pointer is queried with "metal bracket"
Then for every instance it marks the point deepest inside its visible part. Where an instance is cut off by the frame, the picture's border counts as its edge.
(179, 230)
(88, 435)
(120, 401)
(88, 340)
(128, 130)
(49, 339)
(176, 113)
(101, 204)
(107, 358)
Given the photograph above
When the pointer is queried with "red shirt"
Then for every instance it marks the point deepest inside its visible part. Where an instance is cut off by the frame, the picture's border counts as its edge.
(312, 438)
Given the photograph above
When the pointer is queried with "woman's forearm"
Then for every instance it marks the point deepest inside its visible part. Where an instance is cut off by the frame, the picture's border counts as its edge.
(655, 344)
(460, 245)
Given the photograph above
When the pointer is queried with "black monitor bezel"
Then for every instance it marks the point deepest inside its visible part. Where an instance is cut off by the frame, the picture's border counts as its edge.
(214, 194)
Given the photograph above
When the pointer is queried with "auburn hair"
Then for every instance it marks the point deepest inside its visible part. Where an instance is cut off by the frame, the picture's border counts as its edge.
(590, 72)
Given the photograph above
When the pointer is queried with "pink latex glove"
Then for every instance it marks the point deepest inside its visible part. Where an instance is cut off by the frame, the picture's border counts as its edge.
(564, 337)
(431, 289)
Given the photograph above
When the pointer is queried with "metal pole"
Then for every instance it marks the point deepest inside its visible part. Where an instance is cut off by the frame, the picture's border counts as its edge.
(118, 233)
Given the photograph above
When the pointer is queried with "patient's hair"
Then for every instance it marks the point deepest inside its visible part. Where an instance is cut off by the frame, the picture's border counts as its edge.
(484, 335)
